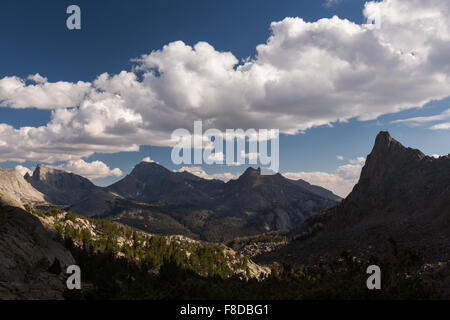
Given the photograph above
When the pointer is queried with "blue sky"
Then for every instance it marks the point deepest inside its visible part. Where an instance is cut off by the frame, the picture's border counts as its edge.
(35, 40)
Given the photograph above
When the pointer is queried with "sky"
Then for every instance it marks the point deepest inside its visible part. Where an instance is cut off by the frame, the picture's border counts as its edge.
(99, 100)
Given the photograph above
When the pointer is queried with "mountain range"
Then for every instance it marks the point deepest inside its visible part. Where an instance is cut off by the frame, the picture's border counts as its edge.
(157, 200)
(401, 200)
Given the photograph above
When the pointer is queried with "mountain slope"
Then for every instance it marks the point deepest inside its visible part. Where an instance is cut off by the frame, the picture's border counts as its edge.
(136, 246)
(320, 191)
(27, 250)
(401, 195)
(16, 187)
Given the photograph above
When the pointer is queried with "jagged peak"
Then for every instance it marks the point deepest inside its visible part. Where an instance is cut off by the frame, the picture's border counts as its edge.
(42, 170)
(385, 140)
(386, 144)
(387, 156)
(252, 171)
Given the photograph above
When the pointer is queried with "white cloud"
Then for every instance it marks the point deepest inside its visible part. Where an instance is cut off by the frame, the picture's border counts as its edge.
(252, 156)
(436, 156)
(15, 93)
(217, 157)
(199, 172)
(341, 182)
(441, 126)
(234, 164)
(340, 158)
(419, 121)
(90, 170)
(37, 78)
(331, 3)
(23, 170)
(147, 159)
(307, 74)
(358, 160)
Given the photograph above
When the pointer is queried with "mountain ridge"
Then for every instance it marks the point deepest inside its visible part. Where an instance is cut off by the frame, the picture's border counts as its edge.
(156, 199)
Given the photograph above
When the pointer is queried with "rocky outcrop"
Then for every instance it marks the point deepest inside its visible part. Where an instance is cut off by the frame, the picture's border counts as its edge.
(402, 195)
(13, 184)
(31, 260)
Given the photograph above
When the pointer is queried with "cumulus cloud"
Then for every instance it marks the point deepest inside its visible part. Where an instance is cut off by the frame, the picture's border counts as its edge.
(307, 74)
(37, 78)
(340, 158)
(15, 93)
(199, 172)
(341, 182)
(90, 170)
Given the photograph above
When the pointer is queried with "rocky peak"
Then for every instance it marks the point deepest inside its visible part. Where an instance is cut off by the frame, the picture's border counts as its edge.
(387, 156)
(145, 169)
(51, 175)
(41, 172)
(60, 187)
(401, 194)
(385, 145)
(251, 172)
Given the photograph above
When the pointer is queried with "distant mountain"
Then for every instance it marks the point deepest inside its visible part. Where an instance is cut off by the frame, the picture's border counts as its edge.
(151, 182)
(73, 192)
(212, 209)
(60, 187)
(402, 196)
(271, 200)
(13, 184)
